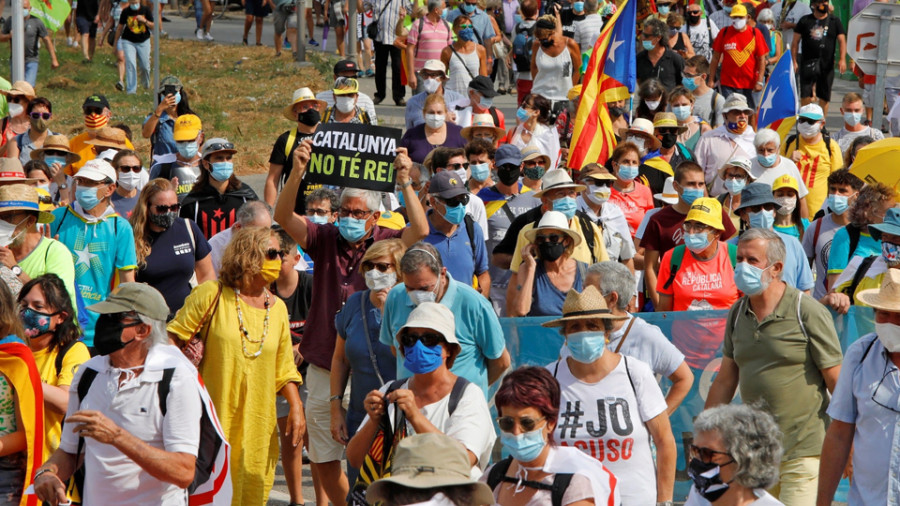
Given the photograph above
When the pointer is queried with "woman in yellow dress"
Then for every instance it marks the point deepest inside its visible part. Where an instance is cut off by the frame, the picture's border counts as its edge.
(248, 357)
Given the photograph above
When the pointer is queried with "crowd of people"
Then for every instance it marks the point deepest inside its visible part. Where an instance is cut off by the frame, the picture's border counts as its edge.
(360, 331)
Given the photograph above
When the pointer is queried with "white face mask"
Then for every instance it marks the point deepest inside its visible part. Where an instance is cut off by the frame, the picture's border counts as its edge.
(889, 335)
(128, 180)
(597, 194)
(377, 280)
(345, 104)
(637, 141)
(8, 232)
(463, 176)
(807, 130)
(434, 120)
(431, 85)
(16, 110)
(652, 104)
(420, 296)
(740, 23)
(788, 204)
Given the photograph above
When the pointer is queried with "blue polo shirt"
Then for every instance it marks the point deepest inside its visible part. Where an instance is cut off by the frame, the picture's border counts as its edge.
(477, 329)
(459, 257)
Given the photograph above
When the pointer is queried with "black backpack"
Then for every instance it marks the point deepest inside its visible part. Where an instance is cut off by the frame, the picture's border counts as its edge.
(557, 489)
(522, 44)
(858, 276)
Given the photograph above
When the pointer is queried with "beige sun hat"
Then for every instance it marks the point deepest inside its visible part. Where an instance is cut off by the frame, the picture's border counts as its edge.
(11, 171)
(643, 128)
(482, 121)
(587, 305)
(557, 178)
(20, 88)
(301, 95)
(56, 142)
(553, 220)
(668, 195)
(887, 296)
(109, 137)
(22, 197)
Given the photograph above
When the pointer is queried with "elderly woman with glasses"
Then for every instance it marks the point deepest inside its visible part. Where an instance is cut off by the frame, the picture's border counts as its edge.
(433, 399)
(240, 332)
(621, 408)
(734, 457)
(548, 270)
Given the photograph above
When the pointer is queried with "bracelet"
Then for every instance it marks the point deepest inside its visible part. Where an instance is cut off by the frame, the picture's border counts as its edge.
(40, 472)
(335, 398)
(406, 185)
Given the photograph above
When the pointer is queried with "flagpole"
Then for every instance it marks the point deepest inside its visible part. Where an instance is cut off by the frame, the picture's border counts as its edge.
(18, 41)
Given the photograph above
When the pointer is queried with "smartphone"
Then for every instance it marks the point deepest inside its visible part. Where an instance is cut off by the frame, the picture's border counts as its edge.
(169, 89)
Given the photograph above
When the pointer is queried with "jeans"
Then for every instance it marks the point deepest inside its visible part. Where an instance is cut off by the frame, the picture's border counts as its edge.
(136, 54)
(198, 12)
(31, 68)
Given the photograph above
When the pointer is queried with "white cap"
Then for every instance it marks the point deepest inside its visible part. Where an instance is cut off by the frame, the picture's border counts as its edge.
(435, 66)
(97, 170)
(434, 316)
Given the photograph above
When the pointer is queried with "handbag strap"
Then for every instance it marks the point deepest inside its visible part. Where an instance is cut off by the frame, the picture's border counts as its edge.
(465, 66)
(386, 5)
(627, 330)
(212, 307)
(365, 322)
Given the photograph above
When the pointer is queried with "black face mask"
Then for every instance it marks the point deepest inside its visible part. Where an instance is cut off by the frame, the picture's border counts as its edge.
(310, 117)
(546, 42)
(551, 251)
(822, 8)
(693, 19)
(164, 220)
(668, 140)
(710, 487)
(108, 333)
(508, 174)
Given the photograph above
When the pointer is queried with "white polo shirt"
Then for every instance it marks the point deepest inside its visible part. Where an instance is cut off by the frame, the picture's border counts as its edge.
(110, 476)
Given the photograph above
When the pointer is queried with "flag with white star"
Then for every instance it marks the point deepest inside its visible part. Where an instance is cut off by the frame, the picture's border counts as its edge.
(779, 105)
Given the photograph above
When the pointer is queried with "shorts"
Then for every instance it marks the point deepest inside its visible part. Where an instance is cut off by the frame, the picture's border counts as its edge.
(285, 17)
(336, 18)
(822, 82)
(86, 26)
(322, 448)
(798, 481)
(256, 9)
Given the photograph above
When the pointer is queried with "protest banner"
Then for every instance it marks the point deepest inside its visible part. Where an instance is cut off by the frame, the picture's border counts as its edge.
(354, 156)
(52, 12)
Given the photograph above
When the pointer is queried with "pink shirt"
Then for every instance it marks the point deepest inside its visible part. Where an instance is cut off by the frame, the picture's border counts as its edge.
(430, 42)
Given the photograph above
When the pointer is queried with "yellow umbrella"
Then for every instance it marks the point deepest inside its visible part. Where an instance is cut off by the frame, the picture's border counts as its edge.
(878, 162)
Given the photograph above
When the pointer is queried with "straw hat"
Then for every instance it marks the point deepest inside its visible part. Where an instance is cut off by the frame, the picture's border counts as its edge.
(642, 127)
(667, 120)
(109, 137)
(482, 121)
(11, 171)
(301, 95)
(596, 172)
(740, 162)
(57, 142)
(587, 305)
(557, 178)
(20, 88)
(21, 197)
(887, 297)
(553, 220)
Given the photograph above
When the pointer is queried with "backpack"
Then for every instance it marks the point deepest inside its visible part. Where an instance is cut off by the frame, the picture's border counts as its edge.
(854, 232)
(678, 256)
(796, 140)
(557, 489)
(858, 276)
(363, 116)
(522, 44)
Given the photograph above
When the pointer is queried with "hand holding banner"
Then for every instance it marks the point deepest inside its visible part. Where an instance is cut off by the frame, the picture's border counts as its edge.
(354, 156)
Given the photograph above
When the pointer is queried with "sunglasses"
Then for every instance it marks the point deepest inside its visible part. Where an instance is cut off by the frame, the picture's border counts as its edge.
(165, 209)
(808, 121)
(457, 166)
(39, 115)
(760, 207)
(18, 99)
(92, 110)
(53, 152)
(381, 266)
(130, 168)
(664, 130)
(508, 423)
(408, 339)
(273, 253)
(456, 201)
(219, 146)
(552, 239)
(126, 315)
(706, 454)
(463, 27)
(317, 212)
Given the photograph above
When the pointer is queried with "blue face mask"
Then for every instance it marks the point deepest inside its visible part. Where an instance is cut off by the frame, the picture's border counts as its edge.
(648, 44)
(628, 172)
(50, 160)
(727, 8)
(664, 10)
(221, 171)
(734, 186)
(468, 8)
(689, 195)
(838, 203)
(586, 347)
(486, 102)
(762, 219)
(87, 197)
(177, 98)
(578, 6)
(402, 199)
(421, 359)
(445, 12)
(318, 220)
(522, 115)
(696, 242)
(524, 447)
(36, 323)
(454, 214)
(352, 229)
(566, 205)
(767, 160)
(690, 83)
(480, 171)
(467, 34)
(748, 279)
(134, 7)
(187, 149)
(682, 112)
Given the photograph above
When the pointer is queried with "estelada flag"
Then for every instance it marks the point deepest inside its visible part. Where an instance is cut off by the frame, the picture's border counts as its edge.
(610, 76)
(780, 103)
(17, 364)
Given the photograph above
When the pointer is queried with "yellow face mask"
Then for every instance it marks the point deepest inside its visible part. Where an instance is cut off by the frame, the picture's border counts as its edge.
(270, 270)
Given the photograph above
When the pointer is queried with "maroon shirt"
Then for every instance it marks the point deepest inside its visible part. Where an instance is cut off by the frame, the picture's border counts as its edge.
(335, 278)
(664, 230)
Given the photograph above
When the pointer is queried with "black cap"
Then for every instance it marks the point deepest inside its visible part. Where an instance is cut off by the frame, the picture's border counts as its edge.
(95, 100)
(483, 85)
(345, 66)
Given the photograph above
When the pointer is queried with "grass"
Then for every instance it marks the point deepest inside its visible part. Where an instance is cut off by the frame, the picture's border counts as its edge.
(238, 92)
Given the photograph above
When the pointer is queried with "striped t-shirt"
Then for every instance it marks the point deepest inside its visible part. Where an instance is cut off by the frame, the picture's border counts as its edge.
(433, 38)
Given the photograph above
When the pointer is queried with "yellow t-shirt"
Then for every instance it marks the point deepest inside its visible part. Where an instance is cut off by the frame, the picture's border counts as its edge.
(581, 253)
(815, 166)
(46, 364)
(79, 145)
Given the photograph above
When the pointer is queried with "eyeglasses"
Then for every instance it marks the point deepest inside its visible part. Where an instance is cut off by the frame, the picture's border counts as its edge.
(808, 121)
(689, 76)
(508, 423)
(551, 238)
(273, 253)
(408, 339)
(694, 227)
(219, 146)
(381, 266)
(359, 214)
(885, 399)
(433, 75)
(666, 130)
(130, 168)
(755, 209)
(165, 209)
(647, 35)
(706, 454)
(39, 115)
(317, 212)
(457, 166)
(92, 110)
(461, 200)
(735, 176)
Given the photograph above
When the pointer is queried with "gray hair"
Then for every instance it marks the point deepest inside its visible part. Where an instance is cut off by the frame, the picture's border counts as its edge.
(775, 251)
(765, 136)
(615, 277)
(433, 4)
(158, 333)
(421, 254)
(765, 15)
(252, 211)
(751, 437)
(658, 29)
(324, 194)
(372, 199)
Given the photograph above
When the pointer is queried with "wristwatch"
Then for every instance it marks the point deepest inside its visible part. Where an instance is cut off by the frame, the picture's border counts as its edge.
(16, 270)
(335, 398)
(406, 185)
(63, 186)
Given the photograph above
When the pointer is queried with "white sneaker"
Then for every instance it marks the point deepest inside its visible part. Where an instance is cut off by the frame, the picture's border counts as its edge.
(199, 33)
(208, 37)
